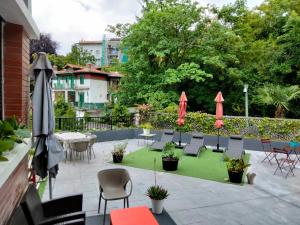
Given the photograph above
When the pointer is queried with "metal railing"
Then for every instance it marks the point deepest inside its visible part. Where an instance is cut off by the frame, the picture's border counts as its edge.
(90, 123)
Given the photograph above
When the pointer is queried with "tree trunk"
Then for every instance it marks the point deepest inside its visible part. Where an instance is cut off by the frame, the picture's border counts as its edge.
(279, 113)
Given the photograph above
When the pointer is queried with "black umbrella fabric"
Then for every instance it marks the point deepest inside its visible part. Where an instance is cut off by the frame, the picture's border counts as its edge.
(48, 151)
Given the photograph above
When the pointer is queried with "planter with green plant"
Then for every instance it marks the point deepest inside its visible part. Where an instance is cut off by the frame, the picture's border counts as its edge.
(157, 194)
(146, 128)
(170, 158)
(118, 152)
(236, 168)
(11, 133)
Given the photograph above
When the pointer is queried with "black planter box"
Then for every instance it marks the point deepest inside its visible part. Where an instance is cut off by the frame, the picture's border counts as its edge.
(169, 165)
(117, 158)
(235, 177)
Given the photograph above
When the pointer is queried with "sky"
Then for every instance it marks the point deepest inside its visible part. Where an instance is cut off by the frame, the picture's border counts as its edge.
(69, 21)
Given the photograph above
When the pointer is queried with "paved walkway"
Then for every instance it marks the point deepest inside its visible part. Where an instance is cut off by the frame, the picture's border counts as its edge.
(271, 200)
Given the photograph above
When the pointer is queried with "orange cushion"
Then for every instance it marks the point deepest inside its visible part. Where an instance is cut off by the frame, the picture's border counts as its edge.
(132, 216)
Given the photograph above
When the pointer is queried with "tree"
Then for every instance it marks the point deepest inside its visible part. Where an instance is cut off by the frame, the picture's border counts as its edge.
(44, 44)
(278, 96)
(63, 109)
(58, 60)
(163, 38)
(79, 56)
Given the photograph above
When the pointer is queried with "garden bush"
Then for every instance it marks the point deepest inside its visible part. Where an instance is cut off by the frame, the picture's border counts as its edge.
(282, 129)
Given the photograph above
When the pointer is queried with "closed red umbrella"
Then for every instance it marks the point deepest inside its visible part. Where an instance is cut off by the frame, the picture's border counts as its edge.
(219, 114)
(181, 112)
(182, 109)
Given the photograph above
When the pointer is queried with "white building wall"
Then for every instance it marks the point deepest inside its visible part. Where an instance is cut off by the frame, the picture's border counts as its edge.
(98, 91)
(95, 50)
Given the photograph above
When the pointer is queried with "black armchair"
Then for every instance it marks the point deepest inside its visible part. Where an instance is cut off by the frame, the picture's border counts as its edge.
(59, 210)
(18, 217)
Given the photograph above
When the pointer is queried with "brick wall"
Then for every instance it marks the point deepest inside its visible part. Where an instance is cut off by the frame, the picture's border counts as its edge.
(12, 190)
(16, 64)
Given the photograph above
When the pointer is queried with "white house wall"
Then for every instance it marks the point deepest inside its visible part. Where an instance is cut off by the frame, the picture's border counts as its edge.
(98, 91)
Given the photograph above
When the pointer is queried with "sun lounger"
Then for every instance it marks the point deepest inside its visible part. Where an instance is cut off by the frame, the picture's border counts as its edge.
(235, 149)
(195, 145)
(165, 138)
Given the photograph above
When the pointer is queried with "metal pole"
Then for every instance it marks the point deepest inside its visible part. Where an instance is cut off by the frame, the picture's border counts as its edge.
(218, 140)
(50, 187)
(246, 104)
(180, 138)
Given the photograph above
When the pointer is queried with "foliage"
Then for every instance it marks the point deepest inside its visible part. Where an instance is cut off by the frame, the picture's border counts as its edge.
(236, 165)
(278, 96)
(169, 153)
(146, 126)
(120, 111)
(63, 109)
(212, 49)
(119, 149)
(282, 129)
(8, 136)
(43, 44)
(157, 192)
(77, 56)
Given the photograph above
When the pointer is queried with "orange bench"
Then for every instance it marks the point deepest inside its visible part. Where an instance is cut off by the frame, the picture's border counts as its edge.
(132, 216)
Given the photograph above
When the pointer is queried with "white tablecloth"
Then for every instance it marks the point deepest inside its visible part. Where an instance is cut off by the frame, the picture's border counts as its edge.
(68, 137)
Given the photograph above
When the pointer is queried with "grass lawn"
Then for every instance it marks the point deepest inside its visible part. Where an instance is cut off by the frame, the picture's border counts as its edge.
(42, 187)
(209, 165)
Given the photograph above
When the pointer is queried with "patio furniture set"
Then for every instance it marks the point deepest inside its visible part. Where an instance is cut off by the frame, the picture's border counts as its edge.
(235, 148)
(77, 144)
(113, 185)
(286, 158)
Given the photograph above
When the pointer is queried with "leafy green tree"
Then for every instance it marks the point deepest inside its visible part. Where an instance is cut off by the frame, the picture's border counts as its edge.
(79, 56)
(58, 60)
(63, 109)
(278, 96)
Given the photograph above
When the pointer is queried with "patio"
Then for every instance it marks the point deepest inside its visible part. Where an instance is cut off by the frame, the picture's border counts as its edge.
(271, 200)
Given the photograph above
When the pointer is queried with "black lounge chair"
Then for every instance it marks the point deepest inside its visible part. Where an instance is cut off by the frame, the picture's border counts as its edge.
(165, 138)
(66, 210)
(195, 145)
(235, 149)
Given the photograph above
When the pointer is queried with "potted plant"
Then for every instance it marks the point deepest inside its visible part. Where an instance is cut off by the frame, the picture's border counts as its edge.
(10, 134)
(146, 128)
(170, 158)
(118, 152)
(236, 168)
(157, 194)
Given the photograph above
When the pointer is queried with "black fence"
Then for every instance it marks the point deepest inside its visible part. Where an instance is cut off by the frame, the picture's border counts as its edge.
(93, 123)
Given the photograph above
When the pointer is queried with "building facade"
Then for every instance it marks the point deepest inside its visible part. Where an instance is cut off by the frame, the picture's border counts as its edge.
(87, 88)
(107, 51)
(17, 27)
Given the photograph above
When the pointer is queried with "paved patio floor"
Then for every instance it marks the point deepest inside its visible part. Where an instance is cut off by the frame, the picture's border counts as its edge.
(271, 200)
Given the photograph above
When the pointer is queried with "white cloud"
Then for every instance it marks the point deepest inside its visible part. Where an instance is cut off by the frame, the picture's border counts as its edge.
(69, 21)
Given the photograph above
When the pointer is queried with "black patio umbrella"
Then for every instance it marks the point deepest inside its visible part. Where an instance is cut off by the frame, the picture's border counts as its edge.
(48, 151)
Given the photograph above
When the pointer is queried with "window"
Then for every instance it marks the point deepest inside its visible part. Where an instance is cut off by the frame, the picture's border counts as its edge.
(81, 98)
(1, 66)
(72, 82)
(81, 79)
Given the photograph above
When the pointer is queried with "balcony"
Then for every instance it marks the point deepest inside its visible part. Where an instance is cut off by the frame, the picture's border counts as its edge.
(63, 86)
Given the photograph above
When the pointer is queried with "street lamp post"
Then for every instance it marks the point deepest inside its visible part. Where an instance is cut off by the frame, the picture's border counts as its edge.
(246, 104)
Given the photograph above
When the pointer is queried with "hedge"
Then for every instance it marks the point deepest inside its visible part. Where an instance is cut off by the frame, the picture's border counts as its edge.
(282, 129)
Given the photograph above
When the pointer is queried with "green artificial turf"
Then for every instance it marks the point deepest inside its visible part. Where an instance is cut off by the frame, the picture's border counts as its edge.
(42, 187)
(209, 165)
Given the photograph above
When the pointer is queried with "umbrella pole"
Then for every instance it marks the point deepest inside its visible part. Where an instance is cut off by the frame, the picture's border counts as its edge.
(180, 138)
(50, 187)
(218, 140)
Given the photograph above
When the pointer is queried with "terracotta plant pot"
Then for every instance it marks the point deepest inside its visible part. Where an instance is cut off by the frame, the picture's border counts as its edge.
(117, 158)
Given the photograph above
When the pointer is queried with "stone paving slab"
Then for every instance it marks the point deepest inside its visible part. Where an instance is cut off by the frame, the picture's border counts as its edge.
(271, 200)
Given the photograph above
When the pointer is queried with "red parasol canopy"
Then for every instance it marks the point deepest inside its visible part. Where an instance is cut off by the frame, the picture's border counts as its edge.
(219, 110)
(182, 109)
